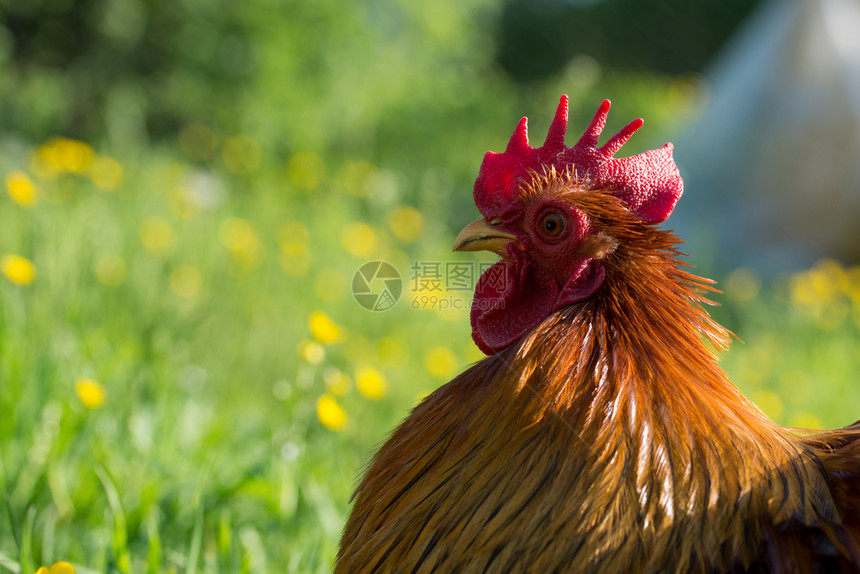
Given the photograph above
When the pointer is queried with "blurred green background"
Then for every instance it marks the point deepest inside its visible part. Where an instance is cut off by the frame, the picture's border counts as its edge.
(186, 382)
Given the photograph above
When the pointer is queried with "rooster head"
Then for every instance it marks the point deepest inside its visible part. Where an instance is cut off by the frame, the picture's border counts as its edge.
(552, 252)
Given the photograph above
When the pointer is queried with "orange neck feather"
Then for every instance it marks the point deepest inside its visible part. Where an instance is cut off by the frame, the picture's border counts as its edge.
(608, 437)
(632, 374)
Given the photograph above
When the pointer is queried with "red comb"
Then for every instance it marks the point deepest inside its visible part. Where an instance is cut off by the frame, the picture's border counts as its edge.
(649, 183)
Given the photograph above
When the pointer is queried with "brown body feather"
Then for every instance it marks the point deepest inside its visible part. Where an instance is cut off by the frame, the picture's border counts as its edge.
(608, 440)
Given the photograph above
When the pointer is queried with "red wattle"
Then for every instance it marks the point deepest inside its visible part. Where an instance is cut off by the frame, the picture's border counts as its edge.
(510, 299)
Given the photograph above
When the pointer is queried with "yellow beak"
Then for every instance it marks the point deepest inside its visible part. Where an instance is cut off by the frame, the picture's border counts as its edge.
(481, 236)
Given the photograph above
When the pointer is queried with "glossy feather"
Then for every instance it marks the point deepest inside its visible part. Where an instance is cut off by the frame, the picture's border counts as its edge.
(607, 440)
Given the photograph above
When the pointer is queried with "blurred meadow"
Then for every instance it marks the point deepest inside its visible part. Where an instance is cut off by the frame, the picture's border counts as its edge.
(187, 383)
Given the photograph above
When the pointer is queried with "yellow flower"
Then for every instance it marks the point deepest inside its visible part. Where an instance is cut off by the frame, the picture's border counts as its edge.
(21, 189)
(186, 281)
(57, 568)
(818, 285)
(305, 170)
(156, 235)
(91, 394)
(769, 402)
(330, 413)
(106, 173)
(336, 381)
(359, 239)
(59, 155)
(406, 223)
(371, 383)
(73, 155)
(18, 269)
(291, 233)
(241, 154)
(823, 293)
(295, 258)
(360, 178)
(440, 362)
(852, 287)
(111, 270)
(311, 351)
(184, 202)
(743, 285)
(65, 155)
(323, 328)
(297, 261)
(355, 347)
(42, 163)
(239, 237)
(805, 421)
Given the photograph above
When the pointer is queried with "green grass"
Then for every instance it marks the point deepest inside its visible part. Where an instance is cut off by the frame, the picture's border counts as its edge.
(207, 454)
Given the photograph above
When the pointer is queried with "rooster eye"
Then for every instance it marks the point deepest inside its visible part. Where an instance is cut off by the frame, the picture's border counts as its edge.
(552, 224)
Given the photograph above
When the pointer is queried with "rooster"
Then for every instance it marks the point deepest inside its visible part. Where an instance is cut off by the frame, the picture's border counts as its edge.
(600, 435)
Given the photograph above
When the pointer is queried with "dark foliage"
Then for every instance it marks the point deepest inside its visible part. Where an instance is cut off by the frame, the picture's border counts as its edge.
(536, 38)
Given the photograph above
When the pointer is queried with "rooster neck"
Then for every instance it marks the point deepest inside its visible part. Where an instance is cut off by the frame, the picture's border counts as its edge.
(644, 335)
(631, 376)
(606, 440)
